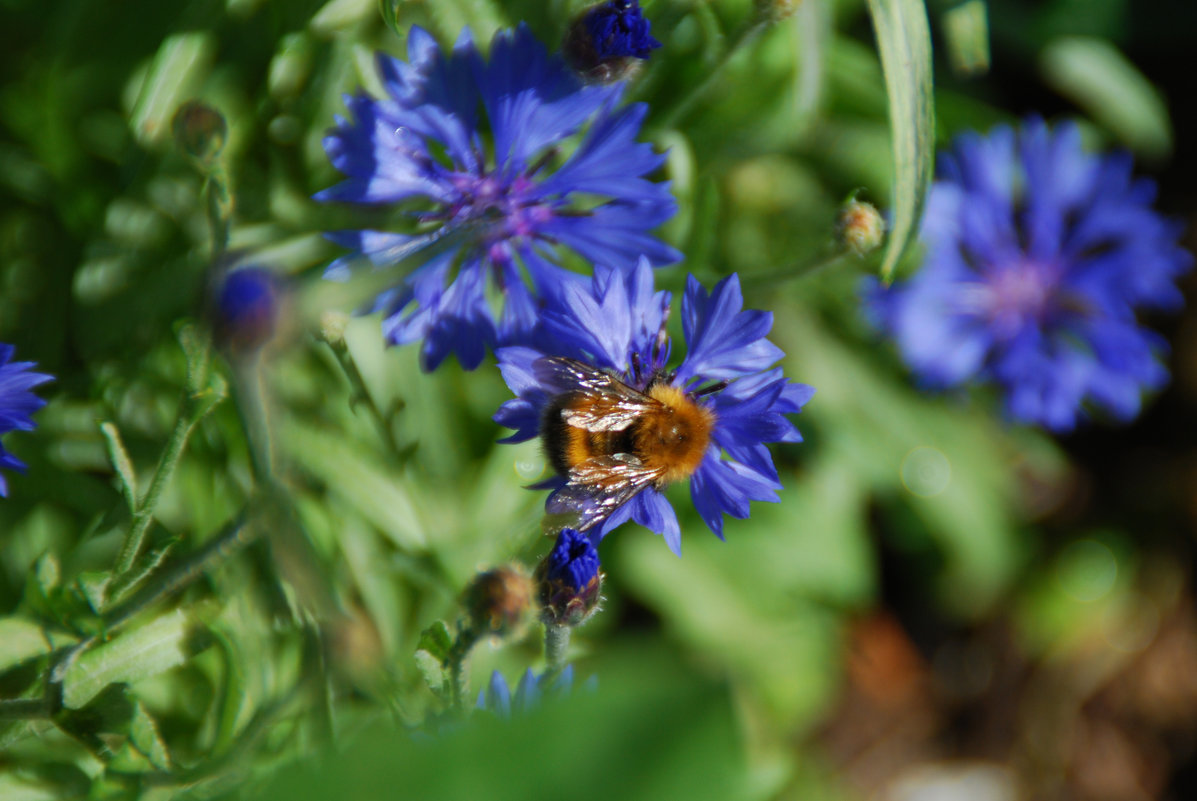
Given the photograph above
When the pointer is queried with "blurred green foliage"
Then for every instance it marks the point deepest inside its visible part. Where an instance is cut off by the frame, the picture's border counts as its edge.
(297, 636)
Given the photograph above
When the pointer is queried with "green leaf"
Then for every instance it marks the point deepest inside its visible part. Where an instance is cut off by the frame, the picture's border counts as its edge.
(433, 673)
(94, 586)
(381, 594)
(47, 573)
(178, 69)
(41, 590)
(359, 479)
(905, 45)
(141, 570)
(641, 693)
(121, 462)
(810, 79)
(155, 647)
(388, 8)
(340, 15)
(116, 727)
(197, 351)
(1098, 78)
(20, 639)
(436, 640)
(483, 17)
(966, 28)
(143, 733)
(23, 784)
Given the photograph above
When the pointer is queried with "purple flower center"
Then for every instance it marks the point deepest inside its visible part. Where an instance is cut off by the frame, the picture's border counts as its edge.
(1015, 296)
(506, 208)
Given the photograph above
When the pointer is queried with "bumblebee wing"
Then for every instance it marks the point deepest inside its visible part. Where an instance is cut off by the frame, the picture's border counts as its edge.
(600, 485)
(608, 404)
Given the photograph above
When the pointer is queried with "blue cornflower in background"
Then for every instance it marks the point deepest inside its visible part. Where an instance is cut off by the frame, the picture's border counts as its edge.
(568, 580)
(17, 403)
(497, 166)
(1038, 256)
(246, 308)
(498, 698)
(616, 325)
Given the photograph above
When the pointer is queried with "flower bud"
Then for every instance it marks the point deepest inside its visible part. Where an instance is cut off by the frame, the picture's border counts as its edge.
(332, 328)
(200, 130)
(860, 227)
(776, 10)
(246, 308)
(497, 601)
(605, 42)
(568, 581)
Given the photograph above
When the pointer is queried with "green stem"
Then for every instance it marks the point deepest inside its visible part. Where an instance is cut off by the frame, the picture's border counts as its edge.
(746, 36)
(251, 406)
(190, 413)
(220, 210)
(758, 280)
(361, 394)
(232, 538)
(24, 709)
(556, 644)
(455, 662)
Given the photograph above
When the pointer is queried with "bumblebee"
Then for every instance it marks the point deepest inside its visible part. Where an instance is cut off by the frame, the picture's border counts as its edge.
(612, 441)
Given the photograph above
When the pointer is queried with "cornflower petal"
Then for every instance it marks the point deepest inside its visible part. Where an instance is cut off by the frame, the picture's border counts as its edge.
(724, 341)
(17, 405)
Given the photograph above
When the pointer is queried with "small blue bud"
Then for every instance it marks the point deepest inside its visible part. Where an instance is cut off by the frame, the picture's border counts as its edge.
(568, 581)
(246, 308)
(603, 41)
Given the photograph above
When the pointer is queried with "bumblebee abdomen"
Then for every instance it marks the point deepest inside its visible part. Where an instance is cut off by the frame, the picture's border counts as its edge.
(555, 434)
(566, 445)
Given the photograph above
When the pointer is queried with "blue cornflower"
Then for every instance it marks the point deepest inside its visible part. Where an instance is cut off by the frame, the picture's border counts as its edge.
(17, 403)
(246, 307)
(496, 166)
(1038, 256)
(568, 581)
(732, 400)
(497, 696)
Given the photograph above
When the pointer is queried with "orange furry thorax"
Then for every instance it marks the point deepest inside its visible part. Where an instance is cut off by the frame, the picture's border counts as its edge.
(671, 436)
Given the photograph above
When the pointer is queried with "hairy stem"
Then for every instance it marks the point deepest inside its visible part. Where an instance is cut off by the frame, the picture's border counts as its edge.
(361, 394)
(455, 661)
(556, 644)
(190, 413)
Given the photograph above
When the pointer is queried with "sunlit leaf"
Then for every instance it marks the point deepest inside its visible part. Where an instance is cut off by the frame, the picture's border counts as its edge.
(20, 639)
(181, 63)
(966, 28)
(121, 463)
(905, 45)
(146, 651)
(1096, 76)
